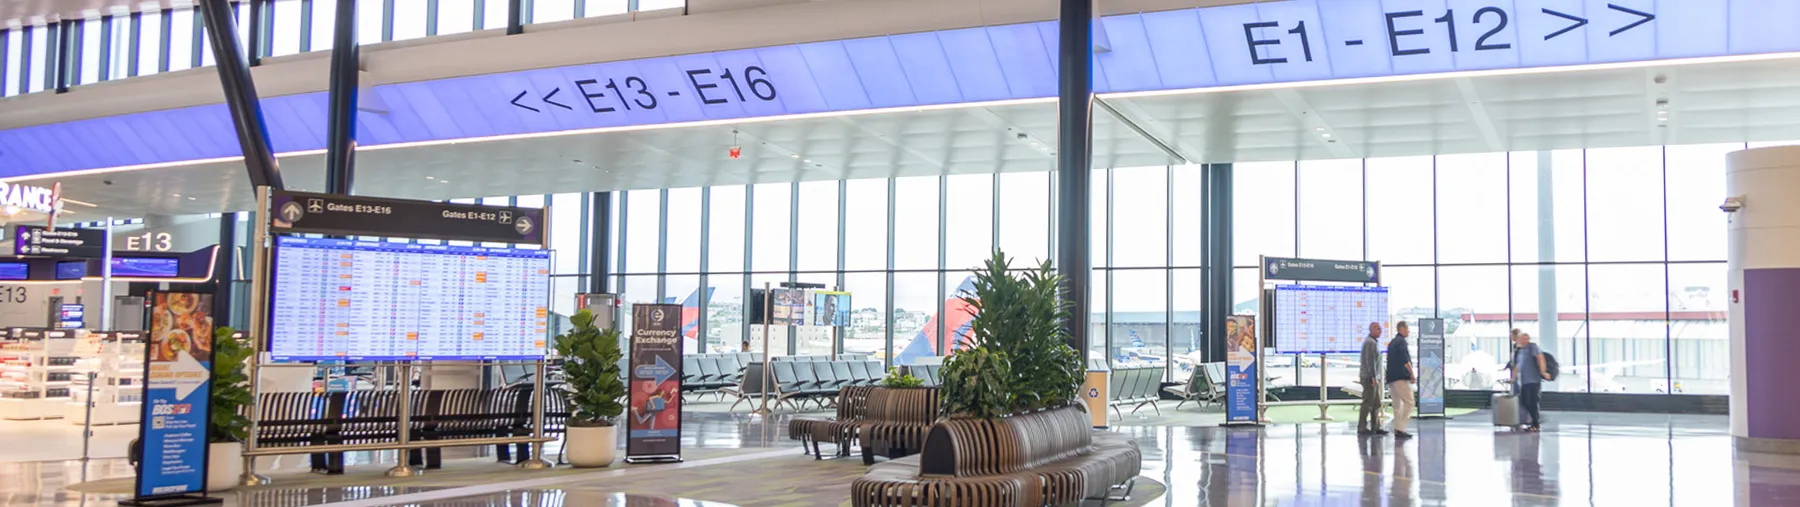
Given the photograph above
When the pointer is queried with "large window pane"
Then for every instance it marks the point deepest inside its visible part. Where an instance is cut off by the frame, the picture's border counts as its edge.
(769, 247)
(1400, 210)
(725, 230)
(651, 5)
(1097, 339)
(684, 231)
(409, 18)
(725, 313)
(287, 28)
(181, 39)
(1098, 205)
(455, 16)
(969, 225)
(1548, 223)
(777, 335)
(13, 38)
(1331, 209)
(1550, 303)
(545, 11)
(1185, 211)
(1471, 204)
(867, 333)
(89, 72)
(368, 22)
(1474, 302)
(818, 235)
(1696, 187)
(1141, 217)
(1262, 211)
(1025, 216)
(636, 290)
(916, 308)
(866, 225)
(1698, 326)
(684, 290)
(1185, 336)
(603, 7)
(566, 238)
(1625, 211)
(643, 223)
(1139, 313)
(495, 14)
(324, 12)
(1412, 294)
(915, 224)
(1627, 306)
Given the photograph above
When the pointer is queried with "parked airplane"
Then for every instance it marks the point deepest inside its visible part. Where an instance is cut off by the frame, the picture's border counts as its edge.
(690, 319)
(956, 315)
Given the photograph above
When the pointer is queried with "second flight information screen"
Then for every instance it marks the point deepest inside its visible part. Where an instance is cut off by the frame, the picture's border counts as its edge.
(1316, 319)
(338, 299)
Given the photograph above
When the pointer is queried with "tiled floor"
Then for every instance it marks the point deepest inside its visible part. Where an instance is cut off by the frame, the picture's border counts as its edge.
(1579, 459)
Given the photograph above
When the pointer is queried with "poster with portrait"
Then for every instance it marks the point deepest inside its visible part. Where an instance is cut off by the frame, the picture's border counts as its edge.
(789, 309)
(1241, 369)
(653, 425)
(831, 309)
(1431, 367)
(177, 371)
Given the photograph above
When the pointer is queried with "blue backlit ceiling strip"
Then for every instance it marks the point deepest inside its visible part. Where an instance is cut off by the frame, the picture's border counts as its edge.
(1276, 42)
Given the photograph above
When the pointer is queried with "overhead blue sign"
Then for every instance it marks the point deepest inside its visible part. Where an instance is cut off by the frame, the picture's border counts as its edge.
(1259, 43)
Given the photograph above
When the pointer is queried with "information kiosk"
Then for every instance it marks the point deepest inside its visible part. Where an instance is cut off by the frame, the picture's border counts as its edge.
(1318, 319)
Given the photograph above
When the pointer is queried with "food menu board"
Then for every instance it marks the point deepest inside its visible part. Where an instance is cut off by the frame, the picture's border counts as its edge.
(1317, 319)
(338, 299)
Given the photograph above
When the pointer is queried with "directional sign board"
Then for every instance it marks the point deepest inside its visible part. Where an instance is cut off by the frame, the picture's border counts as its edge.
(654, 416)
(368, 216)
(74, 243)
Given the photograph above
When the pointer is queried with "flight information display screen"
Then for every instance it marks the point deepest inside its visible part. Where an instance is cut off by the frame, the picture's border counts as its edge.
(337, 299)
(1318, 319)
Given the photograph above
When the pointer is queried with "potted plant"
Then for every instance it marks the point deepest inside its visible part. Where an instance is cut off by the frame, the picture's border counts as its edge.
(895, 379)
(229, 425)
(591, 376)
(1021, 361)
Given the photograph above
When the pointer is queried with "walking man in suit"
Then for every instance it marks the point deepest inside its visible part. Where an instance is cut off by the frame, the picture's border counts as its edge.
(1370, 377)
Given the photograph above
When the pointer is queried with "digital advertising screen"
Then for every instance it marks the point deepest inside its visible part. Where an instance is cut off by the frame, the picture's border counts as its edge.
(14, 271)
(831, 309)
(1318, 319)
(145, 267)
(339, 299)
(71, 270)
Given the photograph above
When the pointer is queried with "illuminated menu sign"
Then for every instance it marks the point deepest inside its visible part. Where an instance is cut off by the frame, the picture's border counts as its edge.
(340, 299)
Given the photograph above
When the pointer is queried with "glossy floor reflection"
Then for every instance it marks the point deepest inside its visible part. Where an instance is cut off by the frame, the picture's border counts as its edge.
(1579, 459)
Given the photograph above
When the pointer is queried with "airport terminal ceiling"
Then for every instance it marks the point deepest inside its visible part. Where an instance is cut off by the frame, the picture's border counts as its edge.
(1705, 102)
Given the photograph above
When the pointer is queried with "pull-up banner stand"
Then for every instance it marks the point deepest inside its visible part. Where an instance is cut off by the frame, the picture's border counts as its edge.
(654, 425)
(1431, 368)
(177, 389)
(1242, 376)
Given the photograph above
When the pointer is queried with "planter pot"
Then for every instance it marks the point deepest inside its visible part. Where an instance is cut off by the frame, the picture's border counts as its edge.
(224, 465)
(592, 447)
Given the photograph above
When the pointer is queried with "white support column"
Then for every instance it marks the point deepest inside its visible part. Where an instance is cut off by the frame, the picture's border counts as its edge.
(1764, 292)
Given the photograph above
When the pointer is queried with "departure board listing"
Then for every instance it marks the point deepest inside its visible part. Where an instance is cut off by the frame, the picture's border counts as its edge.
(367, 216)
(338, 299)
(1315, 319)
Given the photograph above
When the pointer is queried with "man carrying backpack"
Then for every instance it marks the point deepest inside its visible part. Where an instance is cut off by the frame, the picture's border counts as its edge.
(1529, 371)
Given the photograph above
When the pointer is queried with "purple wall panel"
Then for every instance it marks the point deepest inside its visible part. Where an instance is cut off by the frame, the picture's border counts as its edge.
(1771, 342)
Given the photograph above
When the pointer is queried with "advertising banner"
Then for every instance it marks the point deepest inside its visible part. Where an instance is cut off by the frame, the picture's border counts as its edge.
(790, 308)
(1241, 370)
(1431, 367)
(178, 366)
(654, 428)
(831, 309)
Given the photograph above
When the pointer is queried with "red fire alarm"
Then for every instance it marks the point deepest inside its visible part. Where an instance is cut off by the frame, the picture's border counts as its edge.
(736, 151)
(1734, 296)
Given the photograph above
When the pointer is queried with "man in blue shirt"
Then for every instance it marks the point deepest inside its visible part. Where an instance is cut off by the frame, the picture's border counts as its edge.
(1528, 374)
(1400, 380)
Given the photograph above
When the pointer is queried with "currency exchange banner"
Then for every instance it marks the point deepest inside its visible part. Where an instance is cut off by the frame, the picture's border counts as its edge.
(654, 425)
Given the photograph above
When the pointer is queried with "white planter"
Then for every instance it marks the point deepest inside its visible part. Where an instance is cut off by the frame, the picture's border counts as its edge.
(592, 447)
(224, 465)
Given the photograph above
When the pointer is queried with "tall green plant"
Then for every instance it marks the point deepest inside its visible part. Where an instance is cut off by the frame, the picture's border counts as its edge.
(230, 388)
(971, 387)
(1018, 323)
(591, 372)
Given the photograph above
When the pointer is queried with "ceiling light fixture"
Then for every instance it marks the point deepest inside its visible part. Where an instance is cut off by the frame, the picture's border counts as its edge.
(431, 177)
(796, 155)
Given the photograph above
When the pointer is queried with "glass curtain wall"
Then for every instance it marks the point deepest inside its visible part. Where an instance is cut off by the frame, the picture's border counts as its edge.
(1612, 259)
(121, 46)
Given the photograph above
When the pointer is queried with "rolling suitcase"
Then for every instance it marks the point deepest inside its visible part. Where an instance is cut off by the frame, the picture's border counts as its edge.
(1506, 409)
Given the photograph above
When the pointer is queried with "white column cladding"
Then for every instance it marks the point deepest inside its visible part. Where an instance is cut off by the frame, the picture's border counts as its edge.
(1765, 244)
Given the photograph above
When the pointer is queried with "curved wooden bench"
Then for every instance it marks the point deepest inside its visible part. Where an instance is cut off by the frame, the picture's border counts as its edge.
(852, 406)
(1043, 458)
(895, 421)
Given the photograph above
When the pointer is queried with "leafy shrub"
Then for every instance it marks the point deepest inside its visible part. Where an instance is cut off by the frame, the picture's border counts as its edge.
(896, 379)
(970, 388)
(591, 372)
(230, 388)
(1019, 341)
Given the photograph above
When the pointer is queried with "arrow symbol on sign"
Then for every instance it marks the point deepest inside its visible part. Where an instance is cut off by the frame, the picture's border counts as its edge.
(187, 384)
(659, 372)
(515, 101)
(1579, 22)
(552, 102)
(1644, 17)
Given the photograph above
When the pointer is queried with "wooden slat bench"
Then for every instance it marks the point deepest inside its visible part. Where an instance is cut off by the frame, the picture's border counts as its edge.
(896, 420)
(852, 405)
(1037, 459)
